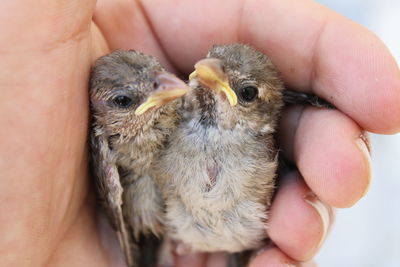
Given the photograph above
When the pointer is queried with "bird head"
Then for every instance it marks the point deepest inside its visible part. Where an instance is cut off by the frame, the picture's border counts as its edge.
(129, 90)
(236, 86)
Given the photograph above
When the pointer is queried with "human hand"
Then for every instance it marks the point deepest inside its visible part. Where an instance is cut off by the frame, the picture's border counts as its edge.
(47, 213)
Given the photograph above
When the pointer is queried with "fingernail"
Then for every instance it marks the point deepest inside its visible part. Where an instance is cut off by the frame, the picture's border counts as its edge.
(366, 140)
(287, 264)
(364, 146)
(323, 211)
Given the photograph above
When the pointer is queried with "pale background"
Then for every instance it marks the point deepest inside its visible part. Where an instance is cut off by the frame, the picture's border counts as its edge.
(368, 234)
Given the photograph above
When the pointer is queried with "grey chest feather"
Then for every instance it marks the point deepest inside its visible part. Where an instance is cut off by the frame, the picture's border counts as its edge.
(217, 185)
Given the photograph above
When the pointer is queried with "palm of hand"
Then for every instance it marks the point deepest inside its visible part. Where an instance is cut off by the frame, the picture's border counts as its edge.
(48, 212)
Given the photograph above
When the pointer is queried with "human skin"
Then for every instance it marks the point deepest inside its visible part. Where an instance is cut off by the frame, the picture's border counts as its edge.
(47, 208)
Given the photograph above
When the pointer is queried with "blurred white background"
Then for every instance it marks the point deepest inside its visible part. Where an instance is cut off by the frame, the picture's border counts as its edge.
(368, 234)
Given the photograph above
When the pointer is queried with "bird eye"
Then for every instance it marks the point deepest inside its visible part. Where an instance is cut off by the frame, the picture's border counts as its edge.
(248, 93)
(123, 101)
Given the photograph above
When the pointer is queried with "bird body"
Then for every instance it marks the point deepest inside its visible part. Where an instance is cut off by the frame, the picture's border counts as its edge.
(218, 170)
(220, 182)
(134, 110)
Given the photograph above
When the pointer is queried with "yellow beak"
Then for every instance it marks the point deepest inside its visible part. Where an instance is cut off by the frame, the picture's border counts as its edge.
(210, 73)
(169, 88)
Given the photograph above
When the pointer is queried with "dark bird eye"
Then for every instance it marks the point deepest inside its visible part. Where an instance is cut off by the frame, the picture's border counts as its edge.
(248, 93)
(122, 101)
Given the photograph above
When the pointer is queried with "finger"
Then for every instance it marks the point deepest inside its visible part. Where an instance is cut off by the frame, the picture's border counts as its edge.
(312, 46)
(192, 260)
(298, 222)
(202, 259)
(272, 257)
(54, 23)
(330, 152)
(219, 259)
(192, 27)
(125, 26)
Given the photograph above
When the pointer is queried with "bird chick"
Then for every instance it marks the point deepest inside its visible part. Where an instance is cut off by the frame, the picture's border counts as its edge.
(134, 109)
(218, 170)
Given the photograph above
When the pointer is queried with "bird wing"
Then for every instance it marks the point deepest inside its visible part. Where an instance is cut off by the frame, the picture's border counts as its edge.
(104, 168)
(295, 97)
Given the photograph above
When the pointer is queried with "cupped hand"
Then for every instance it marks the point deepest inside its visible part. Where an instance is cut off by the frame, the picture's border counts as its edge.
(47, 209)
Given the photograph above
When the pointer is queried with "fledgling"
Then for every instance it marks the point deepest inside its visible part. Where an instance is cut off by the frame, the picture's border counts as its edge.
(134, 109)
(218, 170)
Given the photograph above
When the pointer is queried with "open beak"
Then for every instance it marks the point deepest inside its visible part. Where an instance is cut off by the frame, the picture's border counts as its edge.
(209, 72)
(169, 88)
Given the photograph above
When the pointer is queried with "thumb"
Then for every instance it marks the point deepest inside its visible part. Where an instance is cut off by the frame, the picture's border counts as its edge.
(42, 24)
(45, 59)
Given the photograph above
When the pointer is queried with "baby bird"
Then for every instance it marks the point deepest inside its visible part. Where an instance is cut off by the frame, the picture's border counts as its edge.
(218, 171)
(134, 109)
